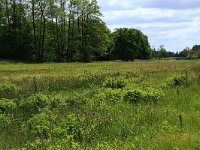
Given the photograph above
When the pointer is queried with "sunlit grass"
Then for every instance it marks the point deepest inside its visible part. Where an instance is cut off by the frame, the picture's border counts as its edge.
(91, 100)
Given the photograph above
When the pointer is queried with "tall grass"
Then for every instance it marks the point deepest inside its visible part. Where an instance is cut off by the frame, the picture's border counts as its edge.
(102, 105)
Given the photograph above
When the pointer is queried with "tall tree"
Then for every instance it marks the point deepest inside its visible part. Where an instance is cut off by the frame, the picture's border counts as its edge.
(130, 44)
(53, 30)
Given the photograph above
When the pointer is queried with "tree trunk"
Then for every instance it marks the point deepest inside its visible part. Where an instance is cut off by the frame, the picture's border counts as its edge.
(34, 30)
(7, 14)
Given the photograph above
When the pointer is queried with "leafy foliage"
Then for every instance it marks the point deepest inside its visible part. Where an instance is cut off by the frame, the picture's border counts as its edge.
(130, 44)
(148, 95)
(176, 81)
(52, 31)
(115, 105)
(7, 105)
(34, 104)
(8, 88)
(119, 82)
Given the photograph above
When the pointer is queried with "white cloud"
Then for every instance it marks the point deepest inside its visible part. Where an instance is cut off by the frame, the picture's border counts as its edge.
(174, 23)
(151, 13)
(175, 4)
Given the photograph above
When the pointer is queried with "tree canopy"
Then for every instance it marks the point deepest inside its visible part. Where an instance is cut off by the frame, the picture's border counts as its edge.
(48, 30)
(130, 44)
(67, 30)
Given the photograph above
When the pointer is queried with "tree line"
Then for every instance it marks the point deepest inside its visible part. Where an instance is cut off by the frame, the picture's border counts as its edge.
(69, 30)
(64, 30)
(188, 53)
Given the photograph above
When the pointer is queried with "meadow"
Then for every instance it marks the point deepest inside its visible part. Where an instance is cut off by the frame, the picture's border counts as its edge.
(102, 105)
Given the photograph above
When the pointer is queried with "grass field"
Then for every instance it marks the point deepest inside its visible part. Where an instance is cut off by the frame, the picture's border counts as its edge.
(101, 105)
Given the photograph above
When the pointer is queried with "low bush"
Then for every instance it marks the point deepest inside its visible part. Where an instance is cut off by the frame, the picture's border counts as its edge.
(114, 83)
(138, 95)
(7, 105)
(65, 132)
(180, 80)
(5, 120)
(109, 95)
(39, 126)
(34, 104)
(8, 87)
(133, 96)
(8, 90)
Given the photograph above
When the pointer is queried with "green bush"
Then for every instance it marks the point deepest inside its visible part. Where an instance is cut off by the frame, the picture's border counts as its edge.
(110, 95)
(113, 96)
(180, 80)
(7, 105)
(66, 132)
(152, 95)
(8, 90)
(34, 104)
(39, 126)
(114, 83)
(8, 87)
(147, 95)
(133, 96)
(5, 120)
(7, 109)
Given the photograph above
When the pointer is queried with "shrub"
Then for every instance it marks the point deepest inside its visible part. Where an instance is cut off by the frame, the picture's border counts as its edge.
(5, 120)
(180, 80)
(114, 96)
(147, 95)
(8, 90)
(34, 104)
(111, 95)
(7, 108)
(7, 105)
(114, 83)
(39, 126)
(8, 87)
(67, 132)
(133, 96)
(152, 95)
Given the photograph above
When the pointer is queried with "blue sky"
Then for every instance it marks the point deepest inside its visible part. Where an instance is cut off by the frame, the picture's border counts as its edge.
(173, 23)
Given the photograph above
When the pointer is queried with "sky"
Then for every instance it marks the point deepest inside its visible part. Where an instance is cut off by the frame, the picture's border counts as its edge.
(172, 23)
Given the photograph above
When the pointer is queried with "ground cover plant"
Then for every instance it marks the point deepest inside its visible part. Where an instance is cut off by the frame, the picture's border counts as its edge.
(101, 105)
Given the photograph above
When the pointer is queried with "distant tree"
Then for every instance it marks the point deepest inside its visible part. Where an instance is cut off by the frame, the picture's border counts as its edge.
(195, 51)
(53, 30)
(162, 52)
(184, 53)
(130, 44)
(171, 54)
(15, 31)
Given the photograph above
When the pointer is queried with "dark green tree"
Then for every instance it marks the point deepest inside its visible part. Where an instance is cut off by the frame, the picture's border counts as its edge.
(162, 52)
(130, 44)
(194, 52)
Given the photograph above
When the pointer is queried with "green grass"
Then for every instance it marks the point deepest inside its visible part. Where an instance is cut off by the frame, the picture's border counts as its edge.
(100, 105)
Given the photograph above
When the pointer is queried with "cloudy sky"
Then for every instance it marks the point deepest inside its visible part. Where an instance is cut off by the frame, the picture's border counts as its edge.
(173, 23)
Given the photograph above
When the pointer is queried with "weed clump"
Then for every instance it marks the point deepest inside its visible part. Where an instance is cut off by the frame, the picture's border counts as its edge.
(7, 108)
(113, 96)
(34, 104)
(114, 83)
(137, 95)
(133, 96)
(8, 87)
(177, 81)
(7, 105)
(8, 90)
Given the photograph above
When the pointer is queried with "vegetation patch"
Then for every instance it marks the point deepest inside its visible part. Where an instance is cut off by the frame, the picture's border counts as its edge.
(137, 95)
(115, 83)
(8, 88)
(66, 107)
(177, 81)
